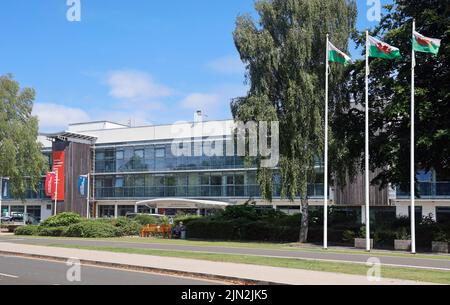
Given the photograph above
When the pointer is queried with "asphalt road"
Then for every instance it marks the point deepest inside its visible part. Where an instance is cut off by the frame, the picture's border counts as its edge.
(442, 264)
(25, 271)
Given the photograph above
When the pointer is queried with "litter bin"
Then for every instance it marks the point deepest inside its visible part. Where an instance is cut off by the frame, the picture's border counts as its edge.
(183, 234)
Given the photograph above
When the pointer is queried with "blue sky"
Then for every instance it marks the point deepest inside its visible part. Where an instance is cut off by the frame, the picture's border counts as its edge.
(146, 61)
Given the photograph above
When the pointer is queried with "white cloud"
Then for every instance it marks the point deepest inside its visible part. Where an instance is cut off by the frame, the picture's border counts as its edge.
(200, 101)
(227, 65)
(57, 117)
(135, 85)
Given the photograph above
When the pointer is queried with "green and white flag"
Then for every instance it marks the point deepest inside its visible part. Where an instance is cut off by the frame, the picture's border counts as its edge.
(381, 49)
(336, 55)
(425, 44)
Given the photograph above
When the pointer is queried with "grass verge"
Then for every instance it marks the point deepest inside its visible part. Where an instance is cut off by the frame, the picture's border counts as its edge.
(247, 245)
(412, 274)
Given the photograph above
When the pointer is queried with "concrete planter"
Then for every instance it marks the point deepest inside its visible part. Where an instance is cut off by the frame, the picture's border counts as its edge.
(360, 243)
(439, 247)
(402, 245)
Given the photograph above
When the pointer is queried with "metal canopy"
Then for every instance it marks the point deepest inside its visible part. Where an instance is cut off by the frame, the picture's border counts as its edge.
(179, 203)
(71, 137)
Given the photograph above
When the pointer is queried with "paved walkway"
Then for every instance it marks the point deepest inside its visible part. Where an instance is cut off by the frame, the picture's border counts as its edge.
(260, 274)
(362, 257)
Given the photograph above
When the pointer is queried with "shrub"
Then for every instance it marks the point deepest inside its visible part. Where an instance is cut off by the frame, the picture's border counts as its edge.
(51, 231)
(92, 229)
(146, 219)
(27, 230)
(127, 227)
(185, 218)
(62, 220)
(240, 229)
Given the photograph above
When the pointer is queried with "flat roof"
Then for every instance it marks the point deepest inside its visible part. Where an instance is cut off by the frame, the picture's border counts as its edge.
(71, 136)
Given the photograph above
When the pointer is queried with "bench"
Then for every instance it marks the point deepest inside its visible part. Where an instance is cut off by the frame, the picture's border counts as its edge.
(155, 230)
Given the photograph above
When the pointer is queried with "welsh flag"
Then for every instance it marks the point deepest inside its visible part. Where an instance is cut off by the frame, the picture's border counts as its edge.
(425, 44)
(336, 55)
(381, 49)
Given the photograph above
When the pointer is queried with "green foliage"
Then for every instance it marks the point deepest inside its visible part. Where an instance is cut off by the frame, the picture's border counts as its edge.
(20, 152)
(249, 212)
(240, 230)
(146, 219)
(403, 234)
(245, 223)
(441, 236)
(390, 90)
(185, 218)
(63, 219)
(72, 225)
(27, 230)
(92, 229)
(284, 53)
(51, 231)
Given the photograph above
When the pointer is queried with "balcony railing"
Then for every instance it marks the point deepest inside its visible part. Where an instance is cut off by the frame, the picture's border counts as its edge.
(428, 190)
(212, 191)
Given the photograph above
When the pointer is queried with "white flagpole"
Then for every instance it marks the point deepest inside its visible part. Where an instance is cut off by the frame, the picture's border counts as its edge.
(367, 156)
(88, 195)
(325, 212)
(56, 190)
(413, 146)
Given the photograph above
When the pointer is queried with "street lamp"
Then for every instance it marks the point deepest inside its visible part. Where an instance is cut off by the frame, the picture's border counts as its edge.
(1, 196)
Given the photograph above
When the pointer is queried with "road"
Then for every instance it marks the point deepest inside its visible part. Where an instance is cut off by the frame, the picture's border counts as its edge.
(25, 271)
(409, 261)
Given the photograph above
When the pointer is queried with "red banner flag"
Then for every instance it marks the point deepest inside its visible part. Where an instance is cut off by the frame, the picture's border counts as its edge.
(50, 184)
(58, 167)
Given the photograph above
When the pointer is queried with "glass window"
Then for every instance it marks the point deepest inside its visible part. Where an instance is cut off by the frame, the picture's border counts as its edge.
(35, 212)
(120, 155)
(119, 181)
(423, 176)
(239, 179)
(100, 156)
(216, 180)
(160, 152)
(123, 210)
(106, 211)
(139, 153)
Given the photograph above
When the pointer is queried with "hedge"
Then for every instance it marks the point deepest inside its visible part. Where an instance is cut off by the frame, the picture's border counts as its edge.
(51, 231)
(91, 229)
(27, 230)
(240, 229)
(62, 220)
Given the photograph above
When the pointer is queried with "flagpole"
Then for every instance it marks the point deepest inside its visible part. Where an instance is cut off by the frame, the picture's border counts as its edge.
(413, 170)
(56, 190)
(367, 168)
(88, 195)
(325, 212)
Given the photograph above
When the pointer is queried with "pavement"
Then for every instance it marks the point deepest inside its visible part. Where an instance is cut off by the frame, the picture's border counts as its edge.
(203, 269)
(306, 254)
(27, 271)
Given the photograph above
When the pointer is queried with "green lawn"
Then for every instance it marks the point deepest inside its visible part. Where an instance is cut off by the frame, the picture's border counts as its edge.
(251, 245)
(419, 275)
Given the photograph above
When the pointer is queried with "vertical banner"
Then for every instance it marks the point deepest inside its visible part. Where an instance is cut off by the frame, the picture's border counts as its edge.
(50, 184)
(58, 166)
(82, 185)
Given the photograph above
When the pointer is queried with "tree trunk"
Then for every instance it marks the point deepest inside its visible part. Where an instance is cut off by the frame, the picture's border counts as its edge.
(305, 221)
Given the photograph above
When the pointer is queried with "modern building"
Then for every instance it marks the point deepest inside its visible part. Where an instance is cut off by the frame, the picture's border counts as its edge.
(167, 168)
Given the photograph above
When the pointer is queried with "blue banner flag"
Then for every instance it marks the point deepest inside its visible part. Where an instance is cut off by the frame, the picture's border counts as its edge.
(82, 185)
